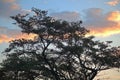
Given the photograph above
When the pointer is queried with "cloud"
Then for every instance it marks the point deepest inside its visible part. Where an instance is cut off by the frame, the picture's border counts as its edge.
(4, 38)
(99, 23)
(66, 15)
(114, 16)
(8, 0)
(102, 24)
(106, 31)
(9, 7)
(7, 35)
(113, 2)
(96, 17)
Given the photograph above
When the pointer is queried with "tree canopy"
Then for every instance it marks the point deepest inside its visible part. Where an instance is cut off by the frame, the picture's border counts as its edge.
(60, 51)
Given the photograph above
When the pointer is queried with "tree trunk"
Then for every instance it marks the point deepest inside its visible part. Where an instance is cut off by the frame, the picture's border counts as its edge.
(92, 76)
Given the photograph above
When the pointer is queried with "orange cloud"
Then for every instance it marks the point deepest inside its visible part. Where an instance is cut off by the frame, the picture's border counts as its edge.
(114, 16)
(5, 38)
(15, 6)
(113, 2)
(103, 25)
(106, 31)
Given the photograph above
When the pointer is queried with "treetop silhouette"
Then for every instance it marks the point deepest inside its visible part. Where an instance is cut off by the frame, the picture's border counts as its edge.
(60, 51)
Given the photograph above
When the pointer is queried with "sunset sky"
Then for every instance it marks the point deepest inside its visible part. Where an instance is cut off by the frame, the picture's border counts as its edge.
(101, 17)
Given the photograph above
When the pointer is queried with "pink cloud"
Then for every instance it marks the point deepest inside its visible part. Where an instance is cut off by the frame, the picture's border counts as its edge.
(9, 0)
(113, 2)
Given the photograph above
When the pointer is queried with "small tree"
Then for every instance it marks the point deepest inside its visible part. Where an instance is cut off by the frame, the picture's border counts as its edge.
(60, 51)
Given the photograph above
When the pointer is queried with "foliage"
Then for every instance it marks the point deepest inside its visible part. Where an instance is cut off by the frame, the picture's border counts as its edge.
(60, 51)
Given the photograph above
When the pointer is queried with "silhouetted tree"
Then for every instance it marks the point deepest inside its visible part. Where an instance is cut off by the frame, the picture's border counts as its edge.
(60, 51)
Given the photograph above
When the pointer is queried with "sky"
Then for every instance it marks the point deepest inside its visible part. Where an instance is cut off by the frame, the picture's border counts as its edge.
(101, 17)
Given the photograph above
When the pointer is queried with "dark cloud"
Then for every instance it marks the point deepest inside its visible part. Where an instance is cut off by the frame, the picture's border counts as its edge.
(95, 17)
(8, 8)
(7, 35)
(66, 15)
(100, 23)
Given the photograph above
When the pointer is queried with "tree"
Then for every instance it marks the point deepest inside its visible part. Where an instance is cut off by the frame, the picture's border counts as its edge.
(60, 51)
